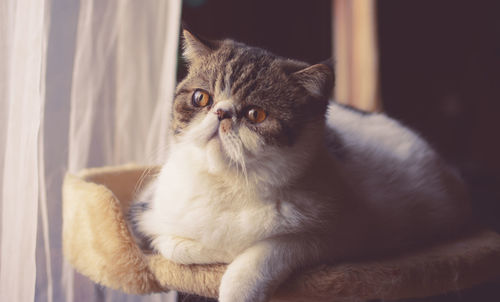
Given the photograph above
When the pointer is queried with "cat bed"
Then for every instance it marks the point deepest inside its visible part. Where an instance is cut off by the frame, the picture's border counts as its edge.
(98, 243)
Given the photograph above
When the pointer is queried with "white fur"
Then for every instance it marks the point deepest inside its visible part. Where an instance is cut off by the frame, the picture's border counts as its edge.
(227, 197)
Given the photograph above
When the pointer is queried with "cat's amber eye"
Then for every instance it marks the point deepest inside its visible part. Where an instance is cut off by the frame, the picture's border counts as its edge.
(256, 115)
(201, 98)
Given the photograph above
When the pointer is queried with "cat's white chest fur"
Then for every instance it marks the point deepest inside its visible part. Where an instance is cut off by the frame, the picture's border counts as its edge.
(204, 213)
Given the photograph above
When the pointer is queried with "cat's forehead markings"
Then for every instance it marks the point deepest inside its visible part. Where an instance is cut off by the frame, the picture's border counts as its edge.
(222, 87)
(223, 69)
(224, 94)
(244, 77)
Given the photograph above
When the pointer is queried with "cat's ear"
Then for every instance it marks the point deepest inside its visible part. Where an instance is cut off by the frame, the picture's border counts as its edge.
(196, 47)
(317, 79)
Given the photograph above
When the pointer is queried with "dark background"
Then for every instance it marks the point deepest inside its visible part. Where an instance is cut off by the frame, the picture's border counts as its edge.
(439, 74)
(294, 29)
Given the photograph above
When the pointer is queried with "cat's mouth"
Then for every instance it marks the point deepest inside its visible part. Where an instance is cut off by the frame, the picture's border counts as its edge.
(223, 141)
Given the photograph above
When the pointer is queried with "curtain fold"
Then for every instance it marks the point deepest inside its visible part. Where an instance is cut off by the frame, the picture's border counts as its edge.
(82, 83)
(22, 74)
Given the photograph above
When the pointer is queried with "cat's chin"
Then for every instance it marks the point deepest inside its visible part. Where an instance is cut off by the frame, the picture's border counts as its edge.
(216, 159)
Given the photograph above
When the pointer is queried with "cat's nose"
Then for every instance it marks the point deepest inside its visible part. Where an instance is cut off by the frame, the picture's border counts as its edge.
(223, 114)
(224, 109)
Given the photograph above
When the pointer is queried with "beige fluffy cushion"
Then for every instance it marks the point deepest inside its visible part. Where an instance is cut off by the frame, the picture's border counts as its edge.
(99, 245)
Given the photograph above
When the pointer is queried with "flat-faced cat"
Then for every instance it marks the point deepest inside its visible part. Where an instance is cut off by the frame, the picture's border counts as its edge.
(264, 173)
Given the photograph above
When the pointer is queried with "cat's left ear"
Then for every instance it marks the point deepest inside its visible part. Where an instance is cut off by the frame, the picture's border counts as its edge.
(196, 47)
(317, 79)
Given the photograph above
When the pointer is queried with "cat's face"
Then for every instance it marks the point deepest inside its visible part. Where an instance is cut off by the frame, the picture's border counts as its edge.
(243, 105)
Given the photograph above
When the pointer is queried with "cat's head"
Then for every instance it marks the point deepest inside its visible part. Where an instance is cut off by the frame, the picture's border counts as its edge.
(247, 109)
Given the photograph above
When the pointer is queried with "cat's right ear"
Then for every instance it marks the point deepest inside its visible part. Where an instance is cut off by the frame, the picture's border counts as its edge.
(196, 47)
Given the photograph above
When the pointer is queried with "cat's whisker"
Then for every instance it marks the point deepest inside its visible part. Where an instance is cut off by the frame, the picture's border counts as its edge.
(151, 157)
(144, 175)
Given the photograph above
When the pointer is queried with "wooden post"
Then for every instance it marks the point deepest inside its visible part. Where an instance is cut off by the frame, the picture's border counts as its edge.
(355, 53)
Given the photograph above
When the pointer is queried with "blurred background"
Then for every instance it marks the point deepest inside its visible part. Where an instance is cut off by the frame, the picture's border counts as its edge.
(89, 83)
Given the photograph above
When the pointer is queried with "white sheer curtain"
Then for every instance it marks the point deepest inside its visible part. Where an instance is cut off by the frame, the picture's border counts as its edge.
(22, 57)
(82, 83)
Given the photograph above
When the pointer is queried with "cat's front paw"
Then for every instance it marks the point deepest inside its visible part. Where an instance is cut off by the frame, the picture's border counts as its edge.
(241, 287)
(257, 272)
(249, 277)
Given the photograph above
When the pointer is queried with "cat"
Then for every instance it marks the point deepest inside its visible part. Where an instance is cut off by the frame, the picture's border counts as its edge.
(265, 173)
